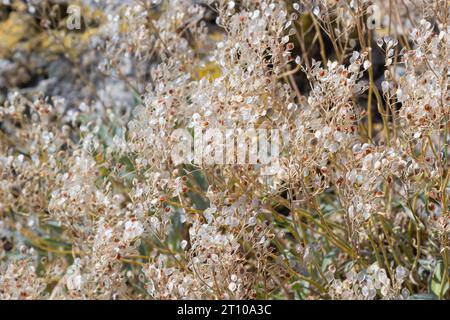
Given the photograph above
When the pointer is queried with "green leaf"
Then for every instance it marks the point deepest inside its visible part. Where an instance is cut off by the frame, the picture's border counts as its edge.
(437, 282)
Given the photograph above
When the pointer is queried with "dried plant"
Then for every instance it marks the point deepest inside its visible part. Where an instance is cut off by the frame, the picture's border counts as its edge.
(94, 206)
